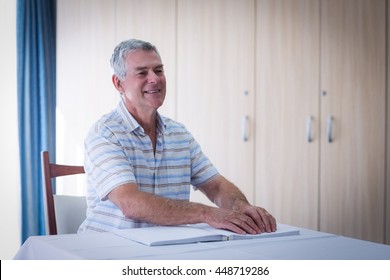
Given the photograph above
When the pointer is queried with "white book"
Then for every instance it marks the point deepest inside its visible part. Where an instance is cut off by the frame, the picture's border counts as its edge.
(169, 235)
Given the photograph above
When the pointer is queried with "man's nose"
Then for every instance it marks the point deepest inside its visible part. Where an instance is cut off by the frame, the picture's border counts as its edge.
(153, 77)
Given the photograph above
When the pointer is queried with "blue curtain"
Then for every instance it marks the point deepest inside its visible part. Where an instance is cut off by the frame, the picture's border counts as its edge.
(36, 78)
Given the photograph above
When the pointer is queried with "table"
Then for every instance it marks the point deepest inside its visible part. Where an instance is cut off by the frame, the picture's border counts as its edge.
(308, 245)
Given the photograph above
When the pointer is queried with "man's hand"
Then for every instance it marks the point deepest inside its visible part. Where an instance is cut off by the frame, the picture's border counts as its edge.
(264, 220)
(242, 215)
(252, 220)
(232, 220)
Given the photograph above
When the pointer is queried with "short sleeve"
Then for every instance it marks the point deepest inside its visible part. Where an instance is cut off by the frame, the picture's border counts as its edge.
(106, 164)
(202, 170)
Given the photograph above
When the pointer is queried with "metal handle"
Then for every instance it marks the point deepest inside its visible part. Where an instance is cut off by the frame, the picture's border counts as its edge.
(245, 120)
(309, 121)
(330, 123)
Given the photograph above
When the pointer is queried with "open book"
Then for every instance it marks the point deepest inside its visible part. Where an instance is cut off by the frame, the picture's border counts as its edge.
(169, 235)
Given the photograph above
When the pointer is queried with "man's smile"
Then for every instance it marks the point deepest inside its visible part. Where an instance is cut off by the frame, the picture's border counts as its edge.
(153, 91)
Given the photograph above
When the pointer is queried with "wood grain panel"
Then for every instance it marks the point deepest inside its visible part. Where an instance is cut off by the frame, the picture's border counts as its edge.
(287, 87)
(215, 78)
(153, 21)
(353, 75)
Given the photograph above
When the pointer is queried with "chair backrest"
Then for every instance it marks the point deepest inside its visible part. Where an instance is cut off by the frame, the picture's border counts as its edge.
(69, 208)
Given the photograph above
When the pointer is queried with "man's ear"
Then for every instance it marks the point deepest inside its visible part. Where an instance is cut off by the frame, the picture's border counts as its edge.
(117, 83)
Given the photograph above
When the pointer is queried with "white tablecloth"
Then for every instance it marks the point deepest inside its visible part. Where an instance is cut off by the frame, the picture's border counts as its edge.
(308, 245)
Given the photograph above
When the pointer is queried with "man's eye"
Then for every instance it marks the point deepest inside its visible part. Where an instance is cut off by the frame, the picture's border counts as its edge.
(143, 73)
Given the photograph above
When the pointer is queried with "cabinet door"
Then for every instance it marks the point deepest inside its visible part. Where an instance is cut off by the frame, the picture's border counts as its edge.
(153, 21)
(353, 70)
(85, 40)
(387, 221)
(287, 110)
(215, 97)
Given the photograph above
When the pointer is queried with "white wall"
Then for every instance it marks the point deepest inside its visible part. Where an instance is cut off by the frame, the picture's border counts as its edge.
(9, 162)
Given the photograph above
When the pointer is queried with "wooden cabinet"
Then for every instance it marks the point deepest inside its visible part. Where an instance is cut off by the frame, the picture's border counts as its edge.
(353, 75)
(153, 21)
(287, 100)
(387, 220)
(262, 85)
(215, 92)
(320, 142)
(87, 32)
(85, 40)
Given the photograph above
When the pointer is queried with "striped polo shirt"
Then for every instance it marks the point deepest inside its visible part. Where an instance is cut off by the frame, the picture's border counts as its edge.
(118, 151)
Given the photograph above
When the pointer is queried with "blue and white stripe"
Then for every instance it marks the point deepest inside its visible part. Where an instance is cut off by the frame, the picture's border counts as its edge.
(118, 151)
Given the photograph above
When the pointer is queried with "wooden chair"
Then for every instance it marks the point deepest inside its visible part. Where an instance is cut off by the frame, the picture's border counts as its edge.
(64, 213)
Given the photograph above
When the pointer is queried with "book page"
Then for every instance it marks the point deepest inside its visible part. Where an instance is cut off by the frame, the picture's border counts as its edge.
(168, 235)
(282, 230)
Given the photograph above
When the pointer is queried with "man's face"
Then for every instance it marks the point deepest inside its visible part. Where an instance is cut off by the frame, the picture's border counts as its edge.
(144, 86)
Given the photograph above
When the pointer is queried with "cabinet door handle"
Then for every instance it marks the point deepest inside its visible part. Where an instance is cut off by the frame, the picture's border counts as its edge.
(309, 122)
(330, 124)
(245, 120)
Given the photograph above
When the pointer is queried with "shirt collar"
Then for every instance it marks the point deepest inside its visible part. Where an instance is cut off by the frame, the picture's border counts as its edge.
(132, 123)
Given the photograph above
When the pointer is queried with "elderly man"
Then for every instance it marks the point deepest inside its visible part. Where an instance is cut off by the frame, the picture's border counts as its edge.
(141, 165)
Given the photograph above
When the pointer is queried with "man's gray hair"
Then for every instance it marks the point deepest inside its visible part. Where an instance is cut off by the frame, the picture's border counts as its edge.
(118, 57)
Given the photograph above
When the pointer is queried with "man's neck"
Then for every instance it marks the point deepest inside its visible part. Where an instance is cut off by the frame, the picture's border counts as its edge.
(148, 121)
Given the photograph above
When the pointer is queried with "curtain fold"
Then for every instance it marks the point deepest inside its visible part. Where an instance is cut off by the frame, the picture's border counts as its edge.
(36, 78)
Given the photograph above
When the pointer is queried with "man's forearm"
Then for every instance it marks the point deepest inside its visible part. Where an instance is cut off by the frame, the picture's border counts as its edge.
(138, 205)
(224, 193)
(158, 210)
